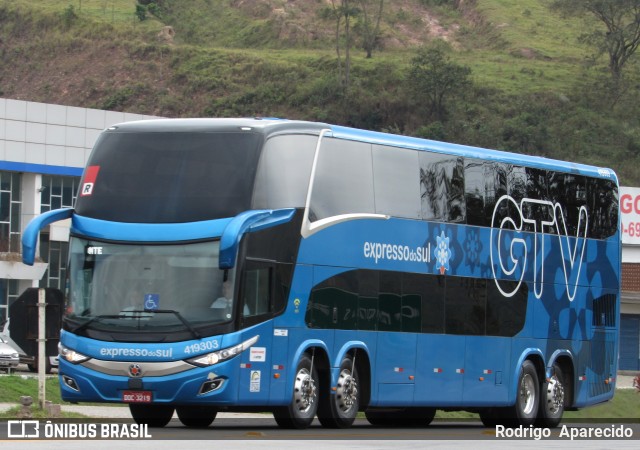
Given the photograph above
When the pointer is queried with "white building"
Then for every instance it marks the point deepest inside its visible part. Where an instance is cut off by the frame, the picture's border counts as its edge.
(43, 149)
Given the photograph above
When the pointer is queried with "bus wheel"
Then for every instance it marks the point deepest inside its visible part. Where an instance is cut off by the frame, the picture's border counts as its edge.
(339, 409)
(156, 416)
(196, 416)
(525, 410)
(304, 403)
(552, 400)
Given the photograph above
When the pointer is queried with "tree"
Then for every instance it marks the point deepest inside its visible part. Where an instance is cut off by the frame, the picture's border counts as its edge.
(434, 77)
(342, 9)
(370, 31)
(621, 34)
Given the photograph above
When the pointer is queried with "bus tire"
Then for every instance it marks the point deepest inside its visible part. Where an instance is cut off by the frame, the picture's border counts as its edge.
(340, 408)
(156, 416)
(552, 400)
(525, 410)
(196, 416)
(304, 402)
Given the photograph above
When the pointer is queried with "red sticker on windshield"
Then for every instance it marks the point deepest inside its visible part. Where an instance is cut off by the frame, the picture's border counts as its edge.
(90, 176)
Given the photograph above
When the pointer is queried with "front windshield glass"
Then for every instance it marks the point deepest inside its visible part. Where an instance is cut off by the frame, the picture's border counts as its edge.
(147, 288)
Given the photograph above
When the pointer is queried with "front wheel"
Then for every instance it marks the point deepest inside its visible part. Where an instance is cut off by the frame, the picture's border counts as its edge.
(339, 409)
(552, 400)
(196, 416)
(156, 416)
(304, 403)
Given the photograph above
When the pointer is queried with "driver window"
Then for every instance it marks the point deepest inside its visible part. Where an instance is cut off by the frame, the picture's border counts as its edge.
(256, 289)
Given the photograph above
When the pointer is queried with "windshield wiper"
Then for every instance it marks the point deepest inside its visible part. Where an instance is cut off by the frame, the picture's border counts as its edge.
(139, 311)
(84, 325)
(178, 315)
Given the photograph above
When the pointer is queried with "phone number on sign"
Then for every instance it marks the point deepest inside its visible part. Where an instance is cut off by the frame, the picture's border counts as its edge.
(631, 228)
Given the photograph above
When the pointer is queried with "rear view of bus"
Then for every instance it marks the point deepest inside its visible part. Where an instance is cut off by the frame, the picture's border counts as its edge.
(311, 270)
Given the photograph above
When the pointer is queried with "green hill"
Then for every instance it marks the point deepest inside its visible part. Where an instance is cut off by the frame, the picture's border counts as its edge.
(533, 87)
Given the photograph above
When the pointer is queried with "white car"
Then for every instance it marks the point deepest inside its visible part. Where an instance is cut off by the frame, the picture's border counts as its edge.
(9, 357)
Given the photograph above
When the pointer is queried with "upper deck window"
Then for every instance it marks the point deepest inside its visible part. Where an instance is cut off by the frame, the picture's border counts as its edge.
(164, 177)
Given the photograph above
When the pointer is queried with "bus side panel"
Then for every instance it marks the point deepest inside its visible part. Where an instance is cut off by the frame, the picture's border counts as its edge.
(395, 369)
(440, 370)
(254, 385)
(486, 373)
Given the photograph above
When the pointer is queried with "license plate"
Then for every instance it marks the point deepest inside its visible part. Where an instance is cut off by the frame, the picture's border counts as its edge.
(137, 396)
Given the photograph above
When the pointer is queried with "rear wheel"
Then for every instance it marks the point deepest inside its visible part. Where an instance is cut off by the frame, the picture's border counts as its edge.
(339, 409)
(552, 400)
(304, 403)
(196, 416)
(525, 410)
(156, 416)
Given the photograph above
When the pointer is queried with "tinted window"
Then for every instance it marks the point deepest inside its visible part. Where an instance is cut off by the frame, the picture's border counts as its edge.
(390, 299)
(474, 181)
(283, 175)
(570, 192)
(368, 300)
(397, 187)
(495, 187)
(603, 208)
(505, 315)
(343, 180)
(170, 177)
(442, 187)
(428, 292)
(465, 306)
(537, 213)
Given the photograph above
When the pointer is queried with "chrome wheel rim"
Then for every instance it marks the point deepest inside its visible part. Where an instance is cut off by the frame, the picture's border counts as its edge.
(304, 392)
(346, 392)
(527, 394)
(555, 395)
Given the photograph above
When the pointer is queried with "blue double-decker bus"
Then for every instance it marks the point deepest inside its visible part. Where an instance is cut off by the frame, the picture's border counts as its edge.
(314, 270)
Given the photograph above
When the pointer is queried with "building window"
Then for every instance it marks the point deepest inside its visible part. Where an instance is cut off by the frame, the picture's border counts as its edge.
(58, 192)
(10, 209)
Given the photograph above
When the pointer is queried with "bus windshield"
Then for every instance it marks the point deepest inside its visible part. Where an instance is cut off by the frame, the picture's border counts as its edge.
(147, 288)
(129, 172)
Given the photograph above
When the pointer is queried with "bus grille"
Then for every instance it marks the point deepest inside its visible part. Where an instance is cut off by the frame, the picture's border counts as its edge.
(604, 311)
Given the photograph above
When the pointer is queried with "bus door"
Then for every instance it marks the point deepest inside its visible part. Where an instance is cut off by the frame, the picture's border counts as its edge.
(398, 322)
(257, 304)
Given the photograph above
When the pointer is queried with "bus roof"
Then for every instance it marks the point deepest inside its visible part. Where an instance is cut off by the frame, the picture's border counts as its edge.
(269, 126)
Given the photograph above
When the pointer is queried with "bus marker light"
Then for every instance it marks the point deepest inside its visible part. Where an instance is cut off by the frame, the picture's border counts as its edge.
(398, 369)
(276, 375)
(437, 370)
(481, 378)
(582, 378)
(486, 371)
(459, 370)
(245, 366)
(278, 367)
(411, 377)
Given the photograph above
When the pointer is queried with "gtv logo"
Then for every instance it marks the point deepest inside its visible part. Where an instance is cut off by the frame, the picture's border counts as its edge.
(512, 253)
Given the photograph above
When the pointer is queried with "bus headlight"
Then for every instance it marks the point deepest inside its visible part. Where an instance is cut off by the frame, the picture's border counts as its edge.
(222, 355)
(71, 355)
